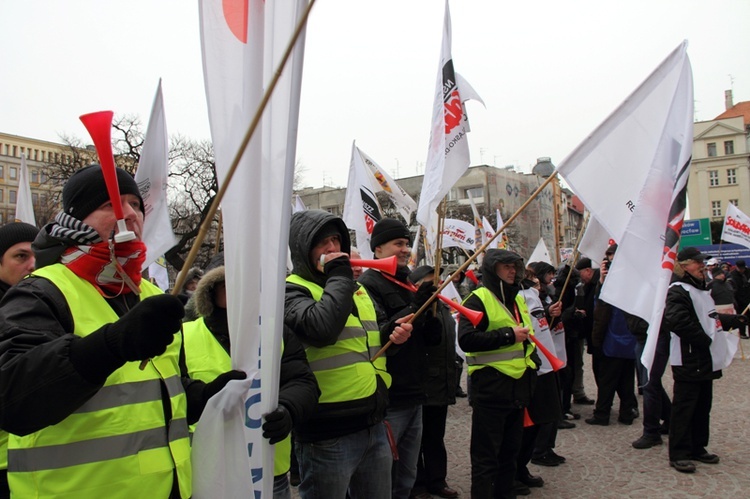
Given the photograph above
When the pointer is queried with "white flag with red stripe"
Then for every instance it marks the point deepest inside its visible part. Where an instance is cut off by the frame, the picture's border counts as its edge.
(631, 174)
(242, 45)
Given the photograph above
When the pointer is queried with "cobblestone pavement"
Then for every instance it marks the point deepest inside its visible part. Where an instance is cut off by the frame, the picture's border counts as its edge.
(601, 463)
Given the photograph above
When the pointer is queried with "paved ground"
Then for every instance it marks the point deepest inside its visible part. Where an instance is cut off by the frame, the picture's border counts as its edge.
(601, 463)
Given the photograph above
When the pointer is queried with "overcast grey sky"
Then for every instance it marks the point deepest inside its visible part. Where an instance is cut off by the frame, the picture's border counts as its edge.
(548, 71)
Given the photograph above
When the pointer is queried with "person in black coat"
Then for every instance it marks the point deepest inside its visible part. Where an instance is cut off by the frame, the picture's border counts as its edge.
(691, 316)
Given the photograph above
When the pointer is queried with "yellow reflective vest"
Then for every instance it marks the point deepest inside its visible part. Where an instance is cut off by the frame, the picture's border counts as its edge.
(511, 360)
(117, 444)
(343, 370)
(206, 359)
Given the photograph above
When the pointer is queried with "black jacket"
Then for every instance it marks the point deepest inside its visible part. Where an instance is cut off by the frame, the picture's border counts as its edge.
(319, 323)
(681, 319)
(409, 368)
(490, 387)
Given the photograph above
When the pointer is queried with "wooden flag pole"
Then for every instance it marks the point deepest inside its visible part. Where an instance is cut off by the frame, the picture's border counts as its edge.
(575, 255)
(473, 257)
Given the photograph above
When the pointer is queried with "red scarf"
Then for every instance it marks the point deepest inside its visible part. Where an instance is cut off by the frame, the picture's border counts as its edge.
(94, 264)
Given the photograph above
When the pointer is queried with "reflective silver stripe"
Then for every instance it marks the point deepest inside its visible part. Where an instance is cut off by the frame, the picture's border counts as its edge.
(373, 350)
(494, 357)
(92, 451)
(135, 392)
(351, 332)
(370, 325)
(336, 361)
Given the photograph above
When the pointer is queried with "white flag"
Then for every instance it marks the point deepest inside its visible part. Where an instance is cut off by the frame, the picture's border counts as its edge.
(595, 240)
(487, 231)
(457, 233)
(448, 153)
(631, 174)
(242, 45)
(540, 253)
(502, 241)
(414, 256)
(298, 205)
(151, 177)
(157, 272)
(24, 205)
(736, 227)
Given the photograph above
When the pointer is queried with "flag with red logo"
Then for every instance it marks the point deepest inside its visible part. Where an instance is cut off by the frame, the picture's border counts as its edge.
(242, 44)
(631, 173)
(457, 233)
(448, 153)
(361, 207)
(736, 227)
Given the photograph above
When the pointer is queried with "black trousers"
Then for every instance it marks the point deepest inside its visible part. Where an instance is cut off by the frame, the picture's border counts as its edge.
(432, 465)
(4, 489)
(495, 443)
(688, 426)
(615, 376)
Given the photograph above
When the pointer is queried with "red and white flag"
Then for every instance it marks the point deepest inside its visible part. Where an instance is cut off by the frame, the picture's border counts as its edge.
(736, 227)
(151, 176)
(448, 153)
(24, 204)
(460, 234)
(242, 44)
(361, 207)
(631, 173)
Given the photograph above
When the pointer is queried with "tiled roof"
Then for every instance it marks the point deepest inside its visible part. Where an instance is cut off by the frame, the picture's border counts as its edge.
(739, 109)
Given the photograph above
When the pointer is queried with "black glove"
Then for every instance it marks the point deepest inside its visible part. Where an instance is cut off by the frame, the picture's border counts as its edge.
(220, 382)
(740, 320)
(425, 291)
(338, 267)
(147, 329)
(278, 425)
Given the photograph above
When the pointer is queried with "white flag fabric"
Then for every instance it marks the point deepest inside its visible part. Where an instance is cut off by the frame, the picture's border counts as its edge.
(540, 253)
(502, 241)
(24, 204)
(361, 207)
(242, 44)
(487, 231)
(631, 174)
(414, 256)
(151, 177)
(157, 272)
(448, 152)
(736, 227)
(595, 240)
(298, 205)
(457, 233)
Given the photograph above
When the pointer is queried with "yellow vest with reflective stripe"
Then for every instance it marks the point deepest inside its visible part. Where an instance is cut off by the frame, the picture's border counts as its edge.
(116, 445)
(343, 370)
(511, 360)
(206, 359)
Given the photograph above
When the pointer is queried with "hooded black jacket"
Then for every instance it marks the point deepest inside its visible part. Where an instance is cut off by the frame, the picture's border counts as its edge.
(490, 387)
(319, 323)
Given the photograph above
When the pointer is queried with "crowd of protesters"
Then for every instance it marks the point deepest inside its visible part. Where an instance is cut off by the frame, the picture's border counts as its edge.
(367, 369)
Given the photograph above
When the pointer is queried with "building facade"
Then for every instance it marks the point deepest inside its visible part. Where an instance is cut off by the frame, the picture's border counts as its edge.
(492, 189)
(38, 153)
(720, 170)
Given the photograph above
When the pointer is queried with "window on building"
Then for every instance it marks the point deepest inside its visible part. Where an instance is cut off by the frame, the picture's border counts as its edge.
(2, 192)
(12, 197)
(15, 151)
(2, 217)
(716, 209)
(452, 194)
(731, 176)
(728, 147)
(13, 173)
(34, 198)
(2, 171)
(734, 201)
(333, 210)
(713, 178)
(34, 176)
(711, 149)
(475, 192)
(42, 177)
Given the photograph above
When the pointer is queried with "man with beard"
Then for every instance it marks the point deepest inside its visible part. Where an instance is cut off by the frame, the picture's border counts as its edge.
(502, 364)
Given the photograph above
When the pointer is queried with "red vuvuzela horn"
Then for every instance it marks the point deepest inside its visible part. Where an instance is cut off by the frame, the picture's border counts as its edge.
(556, 363)
(99, 126)
(474, 316)
(388, 265)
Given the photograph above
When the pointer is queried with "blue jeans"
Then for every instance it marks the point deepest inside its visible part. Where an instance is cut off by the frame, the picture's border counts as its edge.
(358, 463)
(406, 424)
(281, 487)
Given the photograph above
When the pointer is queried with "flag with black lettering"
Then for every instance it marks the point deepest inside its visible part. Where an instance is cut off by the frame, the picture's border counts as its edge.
(736, 227)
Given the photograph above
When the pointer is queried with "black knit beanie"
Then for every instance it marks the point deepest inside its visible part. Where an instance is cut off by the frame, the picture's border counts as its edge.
(16, 232)
(388, 229)
(85, 190)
